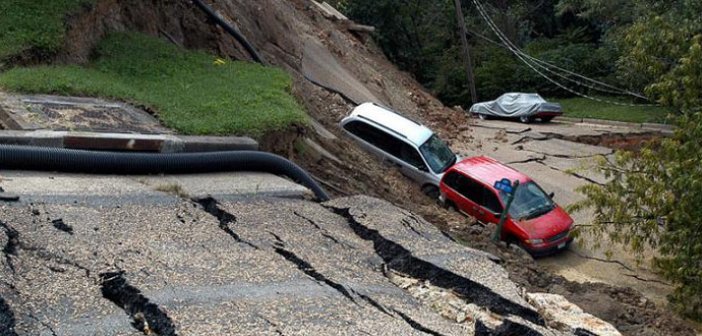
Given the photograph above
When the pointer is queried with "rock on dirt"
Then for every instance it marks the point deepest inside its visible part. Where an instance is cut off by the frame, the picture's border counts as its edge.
(565, 316)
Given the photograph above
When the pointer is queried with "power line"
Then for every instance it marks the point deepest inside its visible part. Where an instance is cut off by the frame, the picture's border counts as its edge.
(521, 55)
(524, 58)
(545, 65)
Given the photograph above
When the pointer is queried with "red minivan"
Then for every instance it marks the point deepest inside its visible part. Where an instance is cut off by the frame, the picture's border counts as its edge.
(534, 221)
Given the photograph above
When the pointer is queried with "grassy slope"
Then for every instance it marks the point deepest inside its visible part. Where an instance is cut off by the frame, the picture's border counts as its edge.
(35, 24)
(586, 108)
(189, 92)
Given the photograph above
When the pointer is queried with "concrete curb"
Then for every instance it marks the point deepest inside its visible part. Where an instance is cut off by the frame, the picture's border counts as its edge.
(646, 126)
(570, 119)
(158, 143)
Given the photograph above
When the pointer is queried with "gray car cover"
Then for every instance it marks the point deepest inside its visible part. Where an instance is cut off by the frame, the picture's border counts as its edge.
(515, 105)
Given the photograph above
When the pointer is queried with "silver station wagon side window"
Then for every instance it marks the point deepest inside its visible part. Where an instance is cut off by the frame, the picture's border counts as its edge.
(386, 142)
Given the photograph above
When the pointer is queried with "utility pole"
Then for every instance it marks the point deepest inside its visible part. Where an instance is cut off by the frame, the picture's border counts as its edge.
(466, 51)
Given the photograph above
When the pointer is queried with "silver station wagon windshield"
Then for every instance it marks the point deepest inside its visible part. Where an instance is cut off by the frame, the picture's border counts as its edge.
(438, 155)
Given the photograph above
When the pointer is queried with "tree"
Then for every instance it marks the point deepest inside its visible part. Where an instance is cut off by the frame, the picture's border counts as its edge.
(657, 41)
(653, 200)
(412, 33)
(672, 57)
(654, 197)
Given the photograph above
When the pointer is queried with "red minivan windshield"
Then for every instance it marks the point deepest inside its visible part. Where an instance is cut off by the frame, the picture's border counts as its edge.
(530, 201)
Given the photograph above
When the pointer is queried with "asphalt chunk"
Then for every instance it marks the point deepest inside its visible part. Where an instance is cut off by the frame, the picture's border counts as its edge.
(12, 244)
(399, 259)
(146, 316)
(7, 319)
(225, 218)
(61, 225)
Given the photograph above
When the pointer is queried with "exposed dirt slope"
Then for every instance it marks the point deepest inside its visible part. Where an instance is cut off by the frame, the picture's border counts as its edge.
(279, 30)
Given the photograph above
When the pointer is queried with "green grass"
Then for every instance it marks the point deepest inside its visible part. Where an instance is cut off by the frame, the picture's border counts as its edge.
(586, 108)
(188, 91)
(34, 24)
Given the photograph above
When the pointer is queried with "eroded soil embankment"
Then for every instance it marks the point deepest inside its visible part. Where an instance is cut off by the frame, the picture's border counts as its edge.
(618, 141)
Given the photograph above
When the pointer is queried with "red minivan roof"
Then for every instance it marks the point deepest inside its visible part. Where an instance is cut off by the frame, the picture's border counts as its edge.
(488, 170)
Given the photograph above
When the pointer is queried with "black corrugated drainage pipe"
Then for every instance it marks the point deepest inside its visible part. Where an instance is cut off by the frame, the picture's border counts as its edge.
(233, 32)
(93, 162)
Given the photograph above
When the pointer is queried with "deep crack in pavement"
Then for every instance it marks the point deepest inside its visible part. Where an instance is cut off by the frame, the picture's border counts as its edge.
(146, 316)
(399, 259)
(507, 328)
(46, 325)
(377, 305)
(7, 319)
(308, 269)
(225, 218)
(10, 248)
(416, 325)
(324, 232)
(406, 223)
(583, 332)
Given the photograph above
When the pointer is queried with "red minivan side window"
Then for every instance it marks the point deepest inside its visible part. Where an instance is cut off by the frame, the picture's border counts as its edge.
(474, 191)
(451, 180)
(491, 202)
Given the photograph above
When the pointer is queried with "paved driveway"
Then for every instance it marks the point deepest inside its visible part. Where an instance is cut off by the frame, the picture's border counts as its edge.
(235, 254)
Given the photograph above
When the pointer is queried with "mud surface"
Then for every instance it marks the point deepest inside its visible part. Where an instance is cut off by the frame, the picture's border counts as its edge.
(627, 309)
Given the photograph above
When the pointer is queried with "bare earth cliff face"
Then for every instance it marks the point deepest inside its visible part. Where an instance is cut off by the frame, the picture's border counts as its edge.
(325, 59)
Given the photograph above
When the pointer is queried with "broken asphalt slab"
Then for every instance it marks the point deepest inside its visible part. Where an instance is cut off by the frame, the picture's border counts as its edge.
(322, 68)
(35, 112)
(236, 265)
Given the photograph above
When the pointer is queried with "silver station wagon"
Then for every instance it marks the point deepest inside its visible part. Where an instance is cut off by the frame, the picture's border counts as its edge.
(419, 153)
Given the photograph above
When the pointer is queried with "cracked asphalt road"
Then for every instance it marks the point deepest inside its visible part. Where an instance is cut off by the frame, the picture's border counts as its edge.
(245, 254)
(561, 166)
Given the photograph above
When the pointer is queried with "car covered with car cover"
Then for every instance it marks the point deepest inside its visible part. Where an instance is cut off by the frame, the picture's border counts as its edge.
(534, 221)
(526, 107)
(410, 146)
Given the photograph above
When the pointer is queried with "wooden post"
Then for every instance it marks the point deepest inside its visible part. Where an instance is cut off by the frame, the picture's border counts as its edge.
(466, 51)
